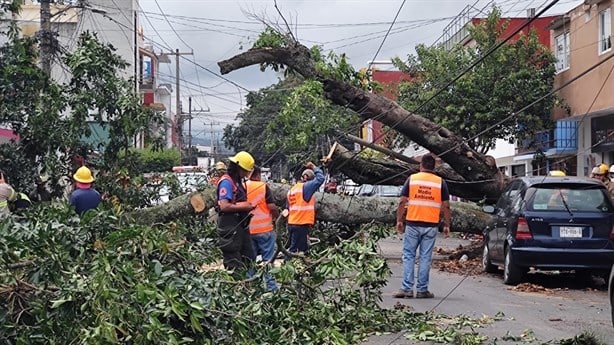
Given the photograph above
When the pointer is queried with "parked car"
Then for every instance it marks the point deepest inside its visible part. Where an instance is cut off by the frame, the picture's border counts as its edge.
(550, 223)
(348, 187)
(191, 181)
(611, 293)
(379, 190)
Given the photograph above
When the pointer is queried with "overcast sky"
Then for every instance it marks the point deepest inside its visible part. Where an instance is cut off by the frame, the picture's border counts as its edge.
(215, 30)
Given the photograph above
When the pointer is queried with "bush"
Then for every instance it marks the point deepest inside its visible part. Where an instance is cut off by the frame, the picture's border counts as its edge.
(103, 280)
(158, 161)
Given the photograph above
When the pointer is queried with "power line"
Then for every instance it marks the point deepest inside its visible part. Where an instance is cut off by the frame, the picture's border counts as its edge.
(386, 36)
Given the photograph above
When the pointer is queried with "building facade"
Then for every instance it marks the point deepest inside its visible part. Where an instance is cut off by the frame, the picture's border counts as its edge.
(115, 22)
(372, 130)
(582, 42)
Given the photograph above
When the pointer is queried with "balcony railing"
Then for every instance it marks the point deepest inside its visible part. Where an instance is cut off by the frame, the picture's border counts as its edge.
(564, 137)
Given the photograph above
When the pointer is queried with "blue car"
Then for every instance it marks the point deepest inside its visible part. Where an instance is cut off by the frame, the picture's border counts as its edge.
(550, 223)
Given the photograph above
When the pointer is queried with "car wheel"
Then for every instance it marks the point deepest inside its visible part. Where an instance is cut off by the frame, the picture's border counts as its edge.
(487, 265)
(512, 274)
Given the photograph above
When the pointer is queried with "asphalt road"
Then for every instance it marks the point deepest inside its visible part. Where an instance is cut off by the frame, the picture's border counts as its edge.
(564, 310)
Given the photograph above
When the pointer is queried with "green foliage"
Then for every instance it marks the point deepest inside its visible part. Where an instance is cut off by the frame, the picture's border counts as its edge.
(513, 76)
(585, 338)
(96, 87)
(305, 116)
(51, 119)
(290, 119)
(157, 160)
(338, 67)
(271, 38)
(104, 281)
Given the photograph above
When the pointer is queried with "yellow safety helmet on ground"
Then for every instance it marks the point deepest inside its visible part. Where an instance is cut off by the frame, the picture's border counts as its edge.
(603, 168)
(83, 175)
(556, 173)
(244, 160)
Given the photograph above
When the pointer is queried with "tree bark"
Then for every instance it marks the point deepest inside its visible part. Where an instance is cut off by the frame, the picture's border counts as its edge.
(389, 171)
(473, 166)
(344, 209)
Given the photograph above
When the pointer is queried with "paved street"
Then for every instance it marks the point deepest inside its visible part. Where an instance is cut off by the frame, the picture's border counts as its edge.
(563, 312)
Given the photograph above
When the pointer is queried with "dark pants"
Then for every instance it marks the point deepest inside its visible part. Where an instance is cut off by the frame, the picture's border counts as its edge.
(235, 242)
(298, 238)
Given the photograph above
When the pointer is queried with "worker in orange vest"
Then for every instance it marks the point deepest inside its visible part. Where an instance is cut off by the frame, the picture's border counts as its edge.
(302, 207)
(264, 237)
(423, 197)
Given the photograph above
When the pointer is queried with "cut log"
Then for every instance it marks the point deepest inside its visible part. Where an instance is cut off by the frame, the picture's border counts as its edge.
(175, 208)
(197, 202)
(465, 217)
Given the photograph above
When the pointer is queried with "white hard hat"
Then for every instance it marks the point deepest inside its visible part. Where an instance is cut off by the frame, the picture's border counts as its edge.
(596, 171)
(612, 168)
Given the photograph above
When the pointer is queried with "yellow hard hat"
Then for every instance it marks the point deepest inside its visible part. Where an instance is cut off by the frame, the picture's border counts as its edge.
(603, 168)
(244, 160)
(83, 175)
(557, 173)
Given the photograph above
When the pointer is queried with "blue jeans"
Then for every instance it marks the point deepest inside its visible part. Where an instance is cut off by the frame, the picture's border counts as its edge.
(425, 238)
(264, 245)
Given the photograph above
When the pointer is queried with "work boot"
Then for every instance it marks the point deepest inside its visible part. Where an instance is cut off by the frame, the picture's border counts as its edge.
(424, 294)
(403, 294)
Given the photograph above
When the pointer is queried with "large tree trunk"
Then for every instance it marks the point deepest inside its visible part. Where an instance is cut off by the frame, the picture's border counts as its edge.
(466, 217)
(474, 167)
(389, 171)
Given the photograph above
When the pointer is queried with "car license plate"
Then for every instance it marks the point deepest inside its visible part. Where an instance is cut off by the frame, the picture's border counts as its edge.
(570, 231)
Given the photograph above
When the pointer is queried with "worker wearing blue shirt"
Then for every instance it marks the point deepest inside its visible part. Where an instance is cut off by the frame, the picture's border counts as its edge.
(84, 197)
(234, 214)
(302, 207)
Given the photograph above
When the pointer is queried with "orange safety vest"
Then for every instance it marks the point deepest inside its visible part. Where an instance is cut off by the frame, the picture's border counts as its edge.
(261, 221)
(301, 212)
(424, 203)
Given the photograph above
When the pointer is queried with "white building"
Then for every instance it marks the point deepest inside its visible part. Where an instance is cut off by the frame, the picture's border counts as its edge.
(115, 22)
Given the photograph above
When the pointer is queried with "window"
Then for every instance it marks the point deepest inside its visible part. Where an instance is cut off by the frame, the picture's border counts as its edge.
(605, 30)
(562, 51)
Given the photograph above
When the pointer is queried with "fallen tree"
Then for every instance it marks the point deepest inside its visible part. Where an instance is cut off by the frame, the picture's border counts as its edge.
(476, 169)
(344, 209)
(391, 171)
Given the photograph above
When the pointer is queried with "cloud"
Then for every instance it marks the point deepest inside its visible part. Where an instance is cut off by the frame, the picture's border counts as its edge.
(217, 30)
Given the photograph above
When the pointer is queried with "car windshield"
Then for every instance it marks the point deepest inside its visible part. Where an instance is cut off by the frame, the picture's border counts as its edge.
(571, 198)
(365, 190)
(192, 181)
(390, 190)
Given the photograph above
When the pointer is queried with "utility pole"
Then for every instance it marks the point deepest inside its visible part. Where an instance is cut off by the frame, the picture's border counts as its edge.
(190, 124)
(212, 139)
(178, 114)
(190, 117)
(45, 36)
